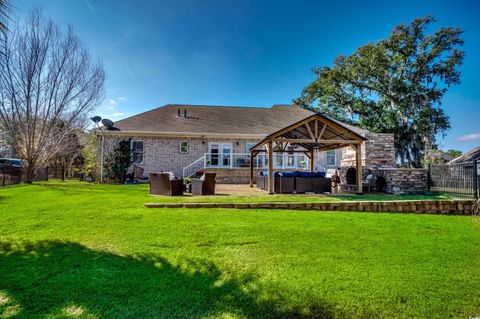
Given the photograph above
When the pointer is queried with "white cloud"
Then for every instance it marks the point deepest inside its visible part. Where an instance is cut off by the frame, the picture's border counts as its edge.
(469, 137)
(111, 110)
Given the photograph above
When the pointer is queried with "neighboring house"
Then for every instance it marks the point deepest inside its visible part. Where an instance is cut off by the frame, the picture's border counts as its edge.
(186, 138)
(469, 156)
(438, 157)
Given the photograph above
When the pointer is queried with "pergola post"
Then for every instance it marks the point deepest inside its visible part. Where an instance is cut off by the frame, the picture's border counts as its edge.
(251, 168)
(312, 158)
(270, 167)
(358, 151)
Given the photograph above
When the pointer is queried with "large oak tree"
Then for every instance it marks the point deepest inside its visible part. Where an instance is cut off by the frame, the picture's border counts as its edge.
(394, 85)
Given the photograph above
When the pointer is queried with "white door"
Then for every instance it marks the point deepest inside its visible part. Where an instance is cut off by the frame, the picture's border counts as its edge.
(220, 154)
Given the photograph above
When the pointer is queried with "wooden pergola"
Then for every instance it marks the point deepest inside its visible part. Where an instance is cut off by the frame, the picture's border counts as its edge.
(314, 133)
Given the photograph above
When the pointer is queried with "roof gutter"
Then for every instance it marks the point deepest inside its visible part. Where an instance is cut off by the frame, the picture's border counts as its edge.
(179, 134)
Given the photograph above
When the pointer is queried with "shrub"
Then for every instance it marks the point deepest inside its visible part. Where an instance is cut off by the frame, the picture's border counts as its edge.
(118, 161)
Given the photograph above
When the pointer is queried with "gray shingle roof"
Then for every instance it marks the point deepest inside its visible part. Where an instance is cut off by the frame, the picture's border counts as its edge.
(468, 157)
(214, 119)
(202, 119)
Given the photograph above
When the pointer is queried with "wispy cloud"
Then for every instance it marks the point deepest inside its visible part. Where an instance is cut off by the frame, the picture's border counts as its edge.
(112, 109)
(469, 137)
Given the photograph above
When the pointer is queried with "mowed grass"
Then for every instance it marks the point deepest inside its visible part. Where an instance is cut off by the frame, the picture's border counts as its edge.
(75, 250)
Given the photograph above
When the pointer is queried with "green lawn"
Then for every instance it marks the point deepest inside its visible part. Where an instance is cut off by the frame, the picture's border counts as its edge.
(74, 250)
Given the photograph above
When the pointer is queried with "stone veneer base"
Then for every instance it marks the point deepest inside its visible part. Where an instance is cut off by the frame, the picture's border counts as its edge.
(455, 207)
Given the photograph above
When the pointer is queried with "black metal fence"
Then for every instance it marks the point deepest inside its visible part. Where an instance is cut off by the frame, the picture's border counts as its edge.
(10, 175)
(460, 180)
(14, 175)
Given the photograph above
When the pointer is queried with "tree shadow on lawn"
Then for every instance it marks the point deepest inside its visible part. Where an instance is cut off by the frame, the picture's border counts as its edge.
(64, 279)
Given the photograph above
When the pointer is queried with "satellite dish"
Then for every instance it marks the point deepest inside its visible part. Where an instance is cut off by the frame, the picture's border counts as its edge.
(107, 123)
(96, 119)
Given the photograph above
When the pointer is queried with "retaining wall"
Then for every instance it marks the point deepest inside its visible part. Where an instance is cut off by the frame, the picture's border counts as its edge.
(457, 207)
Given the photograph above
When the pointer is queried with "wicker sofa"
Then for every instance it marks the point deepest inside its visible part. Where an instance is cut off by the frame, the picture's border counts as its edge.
(282, 185)
(163, 184)
(296, 182)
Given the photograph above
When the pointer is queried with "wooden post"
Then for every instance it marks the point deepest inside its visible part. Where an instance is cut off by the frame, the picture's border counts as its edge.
(358, 150)
(475, 179)
(251, 168)
(312, 157)
(270, 168)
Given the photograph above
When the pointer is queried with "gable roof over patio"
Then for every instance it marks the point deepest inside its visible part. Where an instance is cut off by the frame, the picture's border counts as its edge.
(315, 132)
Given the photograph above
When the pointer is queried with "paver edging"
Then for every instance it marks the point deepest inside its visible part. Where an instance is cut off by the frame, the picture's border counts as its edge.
(457, 207)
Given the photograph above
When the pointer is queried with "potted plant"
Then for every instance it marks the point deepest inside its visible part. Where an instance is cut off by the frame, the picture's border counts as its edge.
(187, 184)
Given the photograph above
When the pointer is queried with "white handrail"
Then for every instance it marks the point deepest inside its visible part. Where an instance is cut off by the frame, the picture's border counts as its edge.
(201, 159)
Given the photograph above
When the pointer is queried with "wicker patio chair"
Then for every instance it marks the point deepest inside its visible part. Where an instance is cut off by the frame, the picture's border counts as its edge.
(204, 185)
(162, 184)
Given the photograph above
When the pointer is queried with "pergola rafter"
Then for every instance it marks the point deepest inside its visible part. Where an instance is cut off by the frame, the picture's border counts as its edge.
(314, 133)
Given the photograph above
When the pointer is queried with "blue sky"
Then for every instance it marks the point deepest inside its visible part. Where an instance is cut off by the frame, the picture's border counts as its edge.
(249, 53)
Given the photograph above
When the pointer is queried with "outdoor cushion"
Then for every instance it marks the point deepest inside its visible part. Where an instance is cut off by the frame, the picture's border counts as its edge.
(287, 174)
(304, 174)
(309, 174)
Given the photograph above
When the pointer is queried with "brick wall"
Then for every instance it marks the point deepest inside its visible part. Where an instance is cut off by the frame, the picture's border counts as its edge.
(402, 181)
(378, 155)
(378, 151)
(162, 154)
(233, 176)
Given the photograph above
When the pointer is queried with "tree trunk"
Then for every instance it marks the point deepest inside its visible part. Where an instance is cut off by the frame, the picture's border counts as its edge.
(29, 173)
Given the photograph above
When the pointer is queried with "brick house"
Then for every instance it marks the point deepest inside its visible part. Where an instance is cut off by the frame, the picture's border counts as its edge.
(186, 138)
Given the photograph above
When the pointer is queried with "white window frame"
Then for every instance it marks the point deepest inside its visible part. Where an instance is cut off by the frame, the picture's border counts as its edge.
(180, 147)
(142, 152)
(221, 155)
(334, 152)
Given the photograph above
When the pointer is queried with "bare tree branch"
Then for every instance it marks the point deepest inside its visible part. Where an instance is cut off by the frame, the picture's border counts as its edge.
(48, 85)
